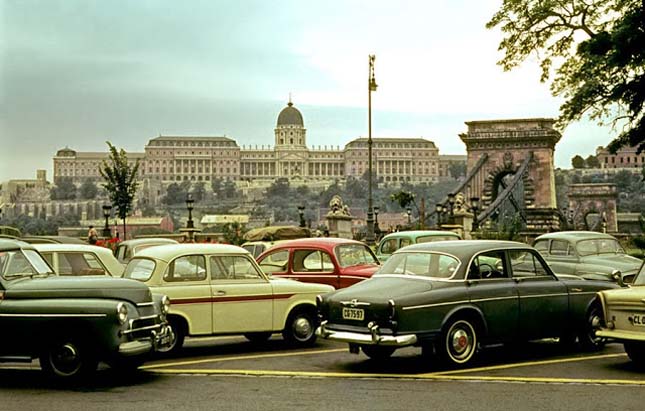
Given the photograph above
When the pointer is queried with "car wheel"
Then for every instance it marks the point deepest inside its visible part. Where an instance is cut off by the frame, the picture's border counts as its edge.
(378, 352)
(459, 342)
(300, 328)
(257, 338)
(636, 353)
(178, 329)
(68, 358)
(587, 337)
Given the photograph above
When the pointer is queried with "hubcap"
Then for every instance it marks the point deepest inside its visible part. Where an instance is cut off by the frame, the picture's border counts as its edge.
(302, 328)
(66, 359)
(460, 341)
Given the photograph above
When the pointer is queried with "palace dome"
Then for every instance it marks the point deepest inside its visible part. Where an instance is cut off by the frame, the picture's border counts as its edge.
(290, 116)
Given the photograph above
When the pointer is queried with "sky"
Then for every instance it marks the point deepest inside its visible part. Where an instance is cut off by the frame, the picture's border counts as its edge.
(78, 73)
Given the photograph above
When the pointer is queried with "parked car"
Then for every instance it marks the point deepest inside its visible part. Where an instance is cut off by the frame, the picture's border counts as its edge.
(337, 262)
(218, 289)
(129, 248)
(453, 297)
(77, 259)
(588, 254)
(258, 247)
(71, 324)
(393, 241)
(624, 317)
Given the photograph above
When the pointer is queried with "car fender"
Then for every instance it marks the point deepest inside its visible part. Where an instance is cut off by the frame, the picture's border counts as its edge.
(465, 310)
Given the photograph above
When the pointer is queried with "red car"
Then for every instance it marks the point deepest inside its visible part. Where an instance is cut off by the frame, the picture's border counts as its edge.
(335, 261)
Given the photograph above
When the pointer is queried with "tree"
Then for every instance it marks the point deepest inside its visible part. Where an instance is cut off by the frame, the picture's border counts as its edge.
(120, 181)
(88, 190)
(457, 170)
(592, 162)
(64, 189)
(578, 162)
(593, 50)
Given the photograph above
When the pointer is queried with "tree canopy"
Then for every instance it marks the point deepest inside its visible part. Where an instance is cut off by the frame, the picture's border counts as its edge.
(594, 52)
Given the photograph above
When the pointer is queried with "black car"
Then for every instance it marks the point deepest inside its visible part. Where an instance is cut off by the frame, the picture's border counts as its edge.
(453, 297)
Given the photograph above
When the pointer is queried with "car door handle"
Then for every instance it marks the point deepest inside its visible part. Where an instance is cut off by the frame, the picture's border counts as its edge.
(220, 292)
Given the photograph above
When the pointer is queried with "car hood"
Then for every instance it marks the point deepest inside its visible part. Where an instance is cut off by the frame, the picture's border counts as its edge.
(631, 295)
(85, 287)
(623, 262)
(381, 288)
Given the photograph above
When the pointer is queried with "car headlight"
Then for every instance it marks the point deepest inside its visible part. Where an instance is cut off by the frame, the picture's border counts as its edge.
(165, 304)
(122, 313)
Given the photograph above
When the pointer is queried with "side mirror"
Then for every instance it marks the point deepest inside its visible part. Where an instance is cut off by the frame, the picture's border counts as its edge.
(617, 276)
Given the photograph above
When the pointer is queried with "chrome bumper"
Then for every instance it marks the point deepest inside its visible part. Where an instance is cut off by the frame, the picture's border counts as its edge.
(143, 346)
(621, 335)
(373, 338)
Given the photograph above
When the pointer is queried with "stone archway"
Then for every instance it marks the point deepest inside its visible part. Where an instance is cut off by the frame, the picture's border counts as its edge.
(497, 149)
(597, 199)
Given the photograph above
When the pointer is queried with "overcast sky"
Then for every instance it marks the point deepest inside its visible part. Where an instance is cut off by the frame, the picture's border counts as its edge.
(79, 72)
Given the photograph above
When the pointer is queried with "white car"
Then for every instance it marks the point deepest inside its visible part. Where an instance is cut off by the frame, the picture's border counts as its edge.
(80, 259)
(624, 317)
(218, 289)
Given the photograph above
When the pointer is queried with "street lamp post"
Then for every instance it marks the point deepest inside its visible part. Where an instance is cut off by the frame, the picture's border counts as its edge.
(301, 213)
(377, 230)
(107, 210)
(189, 224)
(408, 210)
(371, 86)
(474, 207)
(438, 208)
(451, 206)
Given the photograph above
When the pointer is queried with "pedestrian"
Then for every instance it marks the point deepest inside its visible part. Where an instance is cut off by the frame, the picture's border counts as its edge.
(92, 235)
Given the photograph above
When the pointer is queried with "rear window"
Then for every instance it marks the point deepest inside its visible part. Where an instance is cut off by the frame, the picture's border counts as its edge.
(430, 265)
(139, 269)
(354, 254)
(432, 238)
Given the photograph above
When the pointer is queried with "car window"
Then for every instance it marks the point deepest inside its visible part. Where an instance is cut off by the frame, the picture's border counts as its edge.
(525, 264)
(542, 246)
(275, 262)
(186, 268)
(431, 265)
(640, 277)
(559, 248)
(488, 266)
(405, 241)
(389, 246)
(312, 261)
(79, 264)
(354, 254)
(139, 269)
(233, 268)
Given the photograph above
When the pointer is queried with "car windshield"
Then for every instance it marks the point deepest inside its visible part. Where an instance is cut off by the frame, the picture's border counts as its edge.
(640, 277)
(139, 269)
(21, 263)
(599, 246)
(354, 254)
(432, 265)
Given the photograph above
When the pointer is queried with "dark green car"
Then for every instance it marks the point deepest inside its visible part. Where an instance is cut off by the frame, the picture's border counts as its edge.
(71, 323)
(452, 297)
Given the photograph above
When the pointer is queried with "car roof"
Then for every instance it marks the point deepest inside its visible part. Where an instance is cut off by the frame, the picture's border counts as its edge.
(8, 244)
(151, 240)
(169, 251)
(71, 247)
(464, 248)
(575, 236)
(421, 233)
(52, 239)
(316, 242)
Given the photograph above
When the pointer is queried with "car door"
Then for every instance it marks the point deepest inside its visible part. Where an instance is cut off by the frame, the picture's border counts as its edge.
(242, 295)
(544, 300)
(186, 282)
(312, 265)
(492, 290)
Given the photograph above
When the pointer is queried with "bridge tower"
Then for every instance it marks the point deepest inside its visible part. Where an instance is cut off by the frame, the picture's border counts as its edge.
(510, 169)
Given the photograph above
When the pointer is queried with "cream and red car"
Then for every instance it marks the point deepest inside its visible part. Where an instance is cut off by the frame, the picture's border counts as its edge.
(218, 289)
(624, 317)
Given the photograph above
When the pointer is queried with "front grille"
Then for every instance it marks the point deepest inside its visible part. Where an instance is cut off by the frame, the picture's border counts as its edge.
(142, 327)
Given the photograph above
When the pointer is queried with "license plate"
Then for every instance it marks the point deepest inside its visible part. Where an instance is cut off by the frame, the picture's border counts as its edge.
(353, 314)
(638, 320)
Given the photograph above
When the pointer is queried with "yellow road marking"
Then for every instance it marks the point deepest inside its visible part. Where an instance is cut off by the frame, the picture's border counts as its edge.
(530, 363)
(243, 357)
(434, 377)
